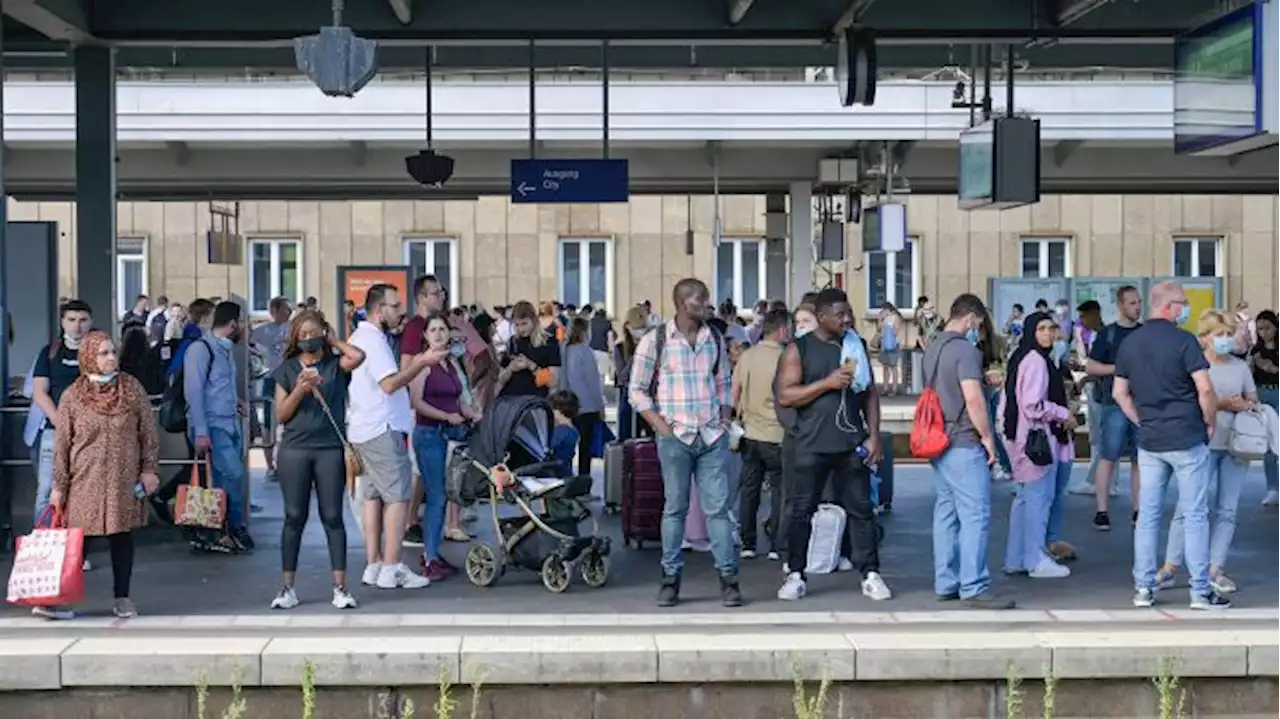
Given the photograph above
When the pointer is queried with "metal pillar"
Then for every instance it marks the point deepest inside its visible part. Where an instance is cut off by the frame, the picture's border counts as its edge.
(801, 250)
(95, 69)
(5, 313)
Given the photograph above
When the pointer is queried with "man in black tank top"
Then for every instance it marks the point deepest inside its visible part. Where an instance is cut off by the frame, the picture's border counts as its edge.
(828, 428)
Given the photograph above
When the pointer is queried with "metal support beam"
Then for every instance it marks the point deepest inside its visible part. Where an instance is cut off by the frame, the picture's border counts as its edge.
(1063, 150)
(181, 153)
(62, 20)
(403, 10)
(95, 180)
(738, 10)
(851, 15)
(359, 153)
(1068, 11)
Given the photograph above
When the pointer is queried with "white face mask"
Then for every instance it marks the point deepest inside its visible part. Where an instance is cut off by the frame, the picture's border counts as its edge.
(102, 378)
(802, 331)
(71, 343)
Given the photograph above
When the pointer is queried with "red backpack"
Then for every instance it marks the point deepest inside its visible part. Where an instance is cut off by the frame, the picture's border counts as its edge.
(929, 427)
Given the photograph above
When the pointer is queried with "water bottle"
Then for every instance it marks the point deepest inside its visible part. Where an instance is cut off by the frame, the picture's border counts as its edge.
(863, 454)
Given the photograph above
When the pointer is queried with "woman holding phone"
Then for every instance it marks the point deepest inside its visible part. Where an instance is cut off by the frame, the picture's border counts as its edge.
(311, 406)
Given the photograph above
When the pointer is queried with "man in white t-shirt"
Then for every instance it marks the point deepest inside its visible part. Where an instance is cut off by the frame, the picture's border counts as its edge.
(379, 421)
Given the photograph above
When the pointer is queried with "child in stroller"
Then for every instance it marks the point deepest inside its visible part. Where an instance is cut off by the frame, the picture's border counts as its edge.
(510, 460)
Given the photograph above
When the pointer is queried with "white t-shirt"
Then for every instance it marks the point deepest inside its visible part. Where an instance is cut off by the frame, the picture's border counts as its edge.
(370, 411)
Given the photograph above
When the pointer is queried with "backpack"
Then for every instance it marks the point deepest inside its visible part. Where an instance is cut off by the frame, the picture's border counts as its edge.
(660, 343)
(1249, 438)
(929, 427)
(156, 330)
(889, 338)
(173, 408)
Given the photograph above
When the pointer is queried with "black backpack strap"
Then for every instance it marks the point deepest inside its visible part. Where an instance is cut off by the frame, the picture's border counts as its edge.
(719, 342)
(659, 344)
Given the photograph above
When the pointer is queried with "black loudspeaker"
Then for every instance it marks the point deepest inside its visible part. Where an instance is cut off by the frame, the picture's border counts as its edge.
(856, 68)
(428, 168)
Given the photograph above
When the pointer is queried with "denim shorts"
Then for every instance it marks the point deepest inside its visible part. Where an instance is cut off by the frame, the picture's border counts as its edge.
(1119, 435)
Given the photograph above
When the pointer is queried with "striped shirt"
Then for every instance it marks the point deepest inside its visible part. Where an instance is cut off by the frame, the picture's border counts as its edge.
(690, 392)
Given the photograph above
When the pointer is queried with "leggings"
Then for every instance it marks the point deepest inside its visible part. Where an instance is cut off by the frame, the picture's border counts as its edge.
(298, 469)
(586, 423)
(121, 562)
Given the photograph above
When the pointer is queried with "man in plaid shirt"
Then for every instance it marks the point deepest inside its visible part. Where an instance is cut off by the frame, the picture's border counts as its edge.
(680, 384)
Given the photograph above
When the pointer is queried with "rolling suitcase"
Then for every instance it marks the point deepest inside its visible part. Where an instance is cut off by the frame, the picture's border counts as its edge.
(642, 494)
(613, 464)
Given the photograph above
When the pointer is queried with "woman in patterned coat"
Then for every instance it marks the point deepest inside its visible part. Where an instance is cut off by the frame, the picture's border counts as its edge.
(105, 459)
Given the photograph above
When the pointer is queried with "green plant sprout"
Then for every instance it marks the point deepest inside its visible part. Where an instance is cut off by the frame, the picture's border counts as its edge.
(1013, 692)
(806, 708)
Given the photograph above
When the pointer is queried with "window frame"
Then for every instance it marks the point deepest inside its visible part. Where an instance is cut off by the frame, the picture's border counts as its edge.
(275, 243)
(451, 282)
(762, 269)
(584, 259)
(125, 301)
(1042, 258)
(1195, 240)
(891, 285)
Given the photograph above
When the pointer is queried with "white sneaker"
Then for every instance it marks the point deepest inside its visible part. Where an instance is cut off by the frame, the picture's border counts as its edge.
(873, 587)
(398, 576)
(748, 554)
(286, 599)
(792, 589)
(773, 556)
(845, 565)
(1271, 499)
(1080, 489)
(1049, 569)
(86, 567)
(370, 576)
(342, 599)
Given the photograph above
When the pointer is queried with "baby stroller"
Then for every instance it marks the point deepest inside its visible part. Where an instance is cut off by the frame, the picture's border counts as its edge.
(509, 461)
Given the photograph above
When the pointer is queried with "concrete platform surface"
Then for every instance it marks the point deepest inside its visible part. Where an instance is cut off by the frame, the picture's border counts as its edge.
(170, 581)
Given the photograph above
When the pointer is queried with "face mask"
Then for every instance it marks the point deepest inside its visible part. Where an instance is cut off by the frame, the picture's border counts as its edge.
(314, 344)
(1224, 345)
(457, 350)
(1059, 351)
(801, 332)
(972, 335)
(1184, 314)
(71, 343)
(636, 333)
(102, 378)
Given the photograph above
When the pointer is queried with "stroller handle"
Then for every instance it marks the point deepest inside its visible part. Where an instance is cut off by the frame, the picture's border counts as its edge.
(537, 468)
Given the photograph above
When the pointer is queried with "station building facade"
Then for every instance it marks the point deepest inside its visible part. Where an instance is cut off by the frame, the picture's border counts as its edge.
(493, 252)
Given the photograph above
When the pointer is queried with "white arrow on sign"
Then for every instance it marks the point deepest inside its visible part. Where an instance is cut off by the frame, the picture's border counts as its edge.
(524, 189)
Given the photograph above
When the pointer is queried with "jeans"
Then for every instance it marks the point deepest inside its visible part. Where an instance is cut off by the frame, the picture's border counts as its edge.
(961, 522)
(1062, 477)
(684, 465)
(1270, 396)
(851, 480)
(1226, 479)
(43, 459)
(429, 446)
(227, 458)
(1190, 469)
(993, 402)
(1029, 520)
(761, 462)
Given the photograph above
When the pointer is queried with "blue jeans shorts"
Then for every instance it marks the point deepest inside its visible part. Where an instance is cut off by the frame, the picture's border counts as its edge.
(1119, 435)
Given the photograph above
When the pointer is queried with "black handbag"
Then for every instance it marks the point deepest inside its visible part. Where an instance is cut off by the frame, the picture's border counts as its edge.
(1039, 450)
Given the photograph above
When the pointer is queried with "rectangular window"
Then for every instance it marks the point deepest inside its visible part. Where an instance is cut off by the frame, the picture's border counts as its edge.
(893, 277)
(586, 272)
(1046, 257)
(131, 272)
(275, 270)
(434, 256)
(740, 272)
(1197, 257)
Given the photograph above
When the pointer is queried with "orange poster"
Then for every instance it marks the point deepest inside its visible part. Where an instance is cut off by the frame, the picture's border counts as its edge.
(358, 280)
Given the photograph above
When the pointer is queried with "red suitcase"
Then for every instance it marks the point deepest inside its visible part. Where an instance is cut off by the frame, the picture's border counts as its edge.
(642, 495)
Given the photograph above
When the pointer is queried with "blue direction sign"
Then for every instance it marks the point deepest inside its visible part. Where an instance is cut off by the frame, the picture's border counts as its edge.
(586, 181)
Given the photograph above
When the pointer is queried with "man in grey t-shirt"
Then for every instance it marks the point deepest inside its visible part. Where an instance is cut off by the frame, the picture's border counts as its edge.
(962, 507)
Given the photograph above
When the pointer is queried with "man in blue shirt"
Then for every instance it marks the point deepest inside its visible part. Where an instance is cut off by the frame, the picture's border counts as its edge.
(1115, 432)
(1162, 385)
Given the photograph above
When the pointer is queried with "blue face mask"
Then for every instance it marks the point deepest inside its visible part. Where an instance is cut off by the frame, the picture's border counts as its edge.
(972, 335)
(1224, 345)
(458, 350)
(1059, 351)
(1184, 314)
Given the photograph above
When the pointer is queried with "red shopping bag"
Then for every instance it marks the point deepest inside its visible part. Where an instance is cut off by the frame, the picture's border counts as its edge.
(48, 566)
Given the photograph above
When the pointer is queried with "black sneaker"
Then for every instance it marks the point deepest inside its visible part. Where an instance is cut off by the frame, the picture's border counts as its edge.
(953, 596)
(1210, 601)
(243, 541)
(413, 537)
(730, 594)
(1102, 522)
(989, 600)
(669, 593)
(1135, 516)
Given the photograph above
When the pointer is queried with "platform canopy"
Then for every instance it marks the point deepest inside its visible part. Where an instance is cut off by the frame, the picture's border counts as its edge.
(480, 34)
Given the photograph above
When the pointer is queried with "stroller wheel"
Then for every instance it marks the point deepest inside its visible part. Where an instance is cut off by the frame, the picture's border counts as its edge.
(555, 573)
(482, 565)
(595, 569)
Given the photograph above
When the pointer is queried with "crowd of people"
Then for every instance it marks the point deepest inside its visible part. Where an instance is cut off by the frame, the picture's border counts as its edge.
(384, 394)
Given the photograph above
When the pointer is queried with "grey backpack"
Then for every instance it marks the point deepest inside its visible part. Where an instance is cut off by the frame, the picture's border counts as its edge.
(1249, 438)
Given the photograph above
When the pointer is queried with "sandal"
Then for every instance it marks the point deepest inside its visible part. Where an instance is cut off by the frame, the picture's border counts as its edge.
(457, 535)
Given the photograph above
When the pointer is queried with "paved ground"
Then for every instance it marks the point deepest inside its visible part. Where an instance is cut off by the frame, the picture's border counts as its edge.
(170, 580)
